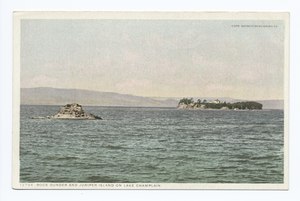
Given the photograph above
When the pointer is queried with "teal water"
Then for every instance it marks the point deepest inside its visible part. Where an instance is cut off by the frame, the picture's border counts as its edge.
(152, 145)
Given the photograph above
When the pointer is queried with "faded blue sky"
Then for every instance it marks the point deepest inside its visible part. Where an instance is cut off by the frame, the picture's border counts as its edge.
(167, 58)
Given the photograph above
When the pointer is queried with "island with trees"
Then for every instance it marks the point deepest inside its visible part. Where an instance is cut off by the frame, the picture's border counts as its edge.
(189, 103)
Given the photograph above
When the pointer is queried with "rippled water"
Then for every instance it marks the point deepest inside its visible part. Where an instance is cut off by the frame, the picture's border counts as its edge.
(152, 145)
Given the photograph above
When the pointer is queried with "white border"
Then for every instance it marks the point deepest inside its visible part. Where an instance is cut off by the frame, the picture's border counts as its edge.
(6, 9)
(18, 16)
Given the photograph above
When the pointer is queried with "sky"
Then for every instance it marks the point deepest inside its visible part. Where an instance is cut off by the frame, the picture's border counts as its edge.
(156, 58)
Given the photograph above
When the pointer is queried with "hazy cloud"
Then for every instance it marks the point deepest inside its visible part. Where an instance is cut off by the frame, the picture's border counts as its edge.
(155, 57)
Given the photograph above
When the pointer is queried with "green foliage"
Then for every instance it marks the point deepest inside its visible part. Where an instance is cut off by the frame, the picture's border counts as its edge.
(250, 105)
(247, 105)
(186, 101)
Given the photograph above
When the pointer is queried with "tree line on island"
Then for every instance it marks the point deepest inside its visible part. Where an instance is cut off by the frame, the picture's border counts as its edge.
(189, 103)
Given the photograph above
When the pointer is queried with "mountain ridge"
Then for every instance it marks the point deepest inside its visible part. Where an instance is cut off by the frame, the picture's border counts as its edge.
(61, 96)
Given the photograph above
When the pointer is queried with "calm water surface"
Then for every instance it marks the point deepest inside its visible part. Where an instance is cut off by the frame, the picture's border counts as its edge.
(152, 145)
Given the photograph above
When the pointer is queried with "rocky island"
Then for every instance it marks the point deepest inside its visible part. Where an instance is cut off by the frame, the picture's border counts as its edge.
(71, 111)
(189, 103)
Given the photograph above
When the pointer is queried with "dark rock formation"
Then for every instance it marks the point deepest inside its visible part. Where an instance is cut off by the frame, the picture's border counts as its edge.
(73, 111)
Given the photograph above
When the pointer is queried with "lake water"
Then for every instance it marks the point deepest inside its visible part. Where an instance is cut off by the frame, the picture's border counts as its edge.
(152, 145)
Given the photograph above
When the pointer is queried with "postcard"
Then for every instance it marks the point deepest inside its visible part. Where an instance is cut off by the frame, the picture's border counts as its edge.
(150, 100)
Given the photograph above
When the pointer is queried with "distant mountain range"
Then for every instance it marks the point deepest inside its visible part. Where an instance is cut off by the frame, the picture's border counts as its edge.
(55, 96)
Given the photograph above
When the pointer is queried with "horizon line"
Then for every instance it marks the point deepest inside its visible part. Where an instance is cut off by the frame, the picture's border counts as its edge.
(153, 96)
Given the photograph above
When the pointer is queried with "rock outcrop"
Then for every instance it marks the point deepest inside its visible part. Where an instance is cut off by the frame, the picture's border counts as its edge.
(73, 111)
(191, 106)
